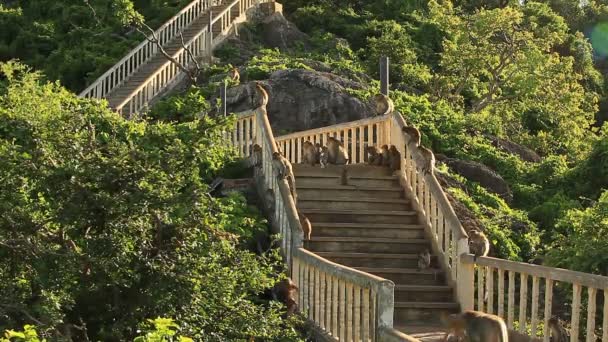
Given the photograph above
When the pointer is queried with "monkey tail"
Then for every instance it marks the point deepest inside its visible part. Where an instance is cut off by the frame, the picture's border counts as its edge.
(262, 92)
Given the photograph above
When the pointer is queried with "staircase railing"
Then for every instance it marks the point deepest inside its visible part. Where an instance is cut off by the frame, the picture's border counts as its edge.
(200, 45)
(137, 57)
(516, 276)
(346, 303)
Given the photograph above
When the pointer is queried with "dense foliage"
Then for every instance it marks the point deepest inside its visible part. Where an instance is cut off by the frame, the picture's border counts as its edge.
(105, 223)
(75, 41)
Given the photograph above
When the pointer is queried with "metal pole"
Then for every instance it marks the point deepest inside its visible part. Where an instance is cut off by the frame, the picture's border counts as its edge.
(223, 106)
(384, 63)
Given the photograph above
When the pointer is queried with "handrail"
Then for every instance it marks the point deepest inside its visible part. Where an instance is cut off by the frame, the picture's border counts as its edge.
(492, 270)
(348, 304)
(202, 43)
(128, 65)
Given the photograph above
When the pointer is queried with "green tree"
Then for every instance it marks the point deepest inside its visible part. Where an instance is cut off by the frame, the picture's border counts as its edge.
(106, 222)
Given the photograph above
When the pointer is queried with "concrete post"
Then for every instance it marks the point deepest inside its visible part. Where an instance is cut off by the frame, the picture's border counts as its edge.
(386, 306)
(465, 277)
(384, 72)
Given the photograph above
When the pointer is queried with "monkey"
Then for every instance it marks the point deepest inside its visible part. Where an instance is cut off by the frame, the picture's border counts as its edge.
(262, 92)
(479, 244)
(324, 157)
(306, 226)
(337, 153)
(385, 155)
(412, 134)
(558, 331)
(425, 160)
(235, 75)
(284, 170)
(286, 291)
(394, 158)
(309, 153)
(374, 156)
(269, 200)
(476, 326)
(424, 260)
(318, 153)
(255, 159)
(344, 177)
(384, 105)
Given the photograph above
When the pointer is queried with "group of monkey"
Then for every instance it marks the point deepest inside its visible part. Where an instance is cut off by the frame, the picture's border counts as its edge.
(472, 326)
(467, 326)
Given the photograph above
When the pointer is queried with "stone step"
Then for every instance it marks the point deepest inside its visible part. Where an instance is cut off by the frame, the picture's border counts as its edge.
(408, 276)
(379, 181)
(352, 203)
(365, 245)
(423, 293)
(424, 331)
(382, 260)
(361, 216)
(330, 191)
(383, 230)
(429, 312)
(354, 170)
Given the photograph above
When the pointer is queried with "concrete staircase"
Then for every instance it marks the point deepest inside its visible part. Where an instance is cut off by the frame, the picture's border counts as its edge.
(370, 225)
(120, 94)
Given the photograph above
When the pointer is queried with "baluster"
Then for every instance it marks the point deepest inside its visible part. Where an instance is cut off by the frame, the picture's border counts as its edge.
(298, 151)
(349, 312)
(440, 230)
(357, 314)
(576, 312)
(322, 301)
(373, 311)
(548, 305)
(433, 218)
(311, 294)
(242, 143)
(523, 301)
(446, 241)
(605, 322)
(365, 319)
(328, 301)
(454, 255)
(342, 319)
(501, 292)
(361, 131)
(480, 286)
(591, 292)
(353, 146)
(534, 323)
(511, 300)
(490, 289)
(304, 289)
(317, 296)
(334, 307)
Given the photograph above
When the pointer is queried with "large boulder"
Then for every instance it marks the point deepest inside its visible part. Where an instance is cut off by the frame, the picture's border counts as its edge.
(477, 172)
(302, 99)
(278, 32)
(516, 149)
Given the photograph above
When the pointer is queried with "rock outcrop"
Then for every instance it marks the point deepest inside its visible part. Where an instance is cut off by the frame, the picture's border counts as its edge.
(477, 172)
(302, 99)
(516, 149)
(278, 32)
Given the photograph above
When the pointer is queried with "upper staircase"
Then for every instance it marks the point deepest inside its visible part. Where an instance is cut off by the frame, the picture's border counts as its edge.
(370, 225)
(190, 36)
